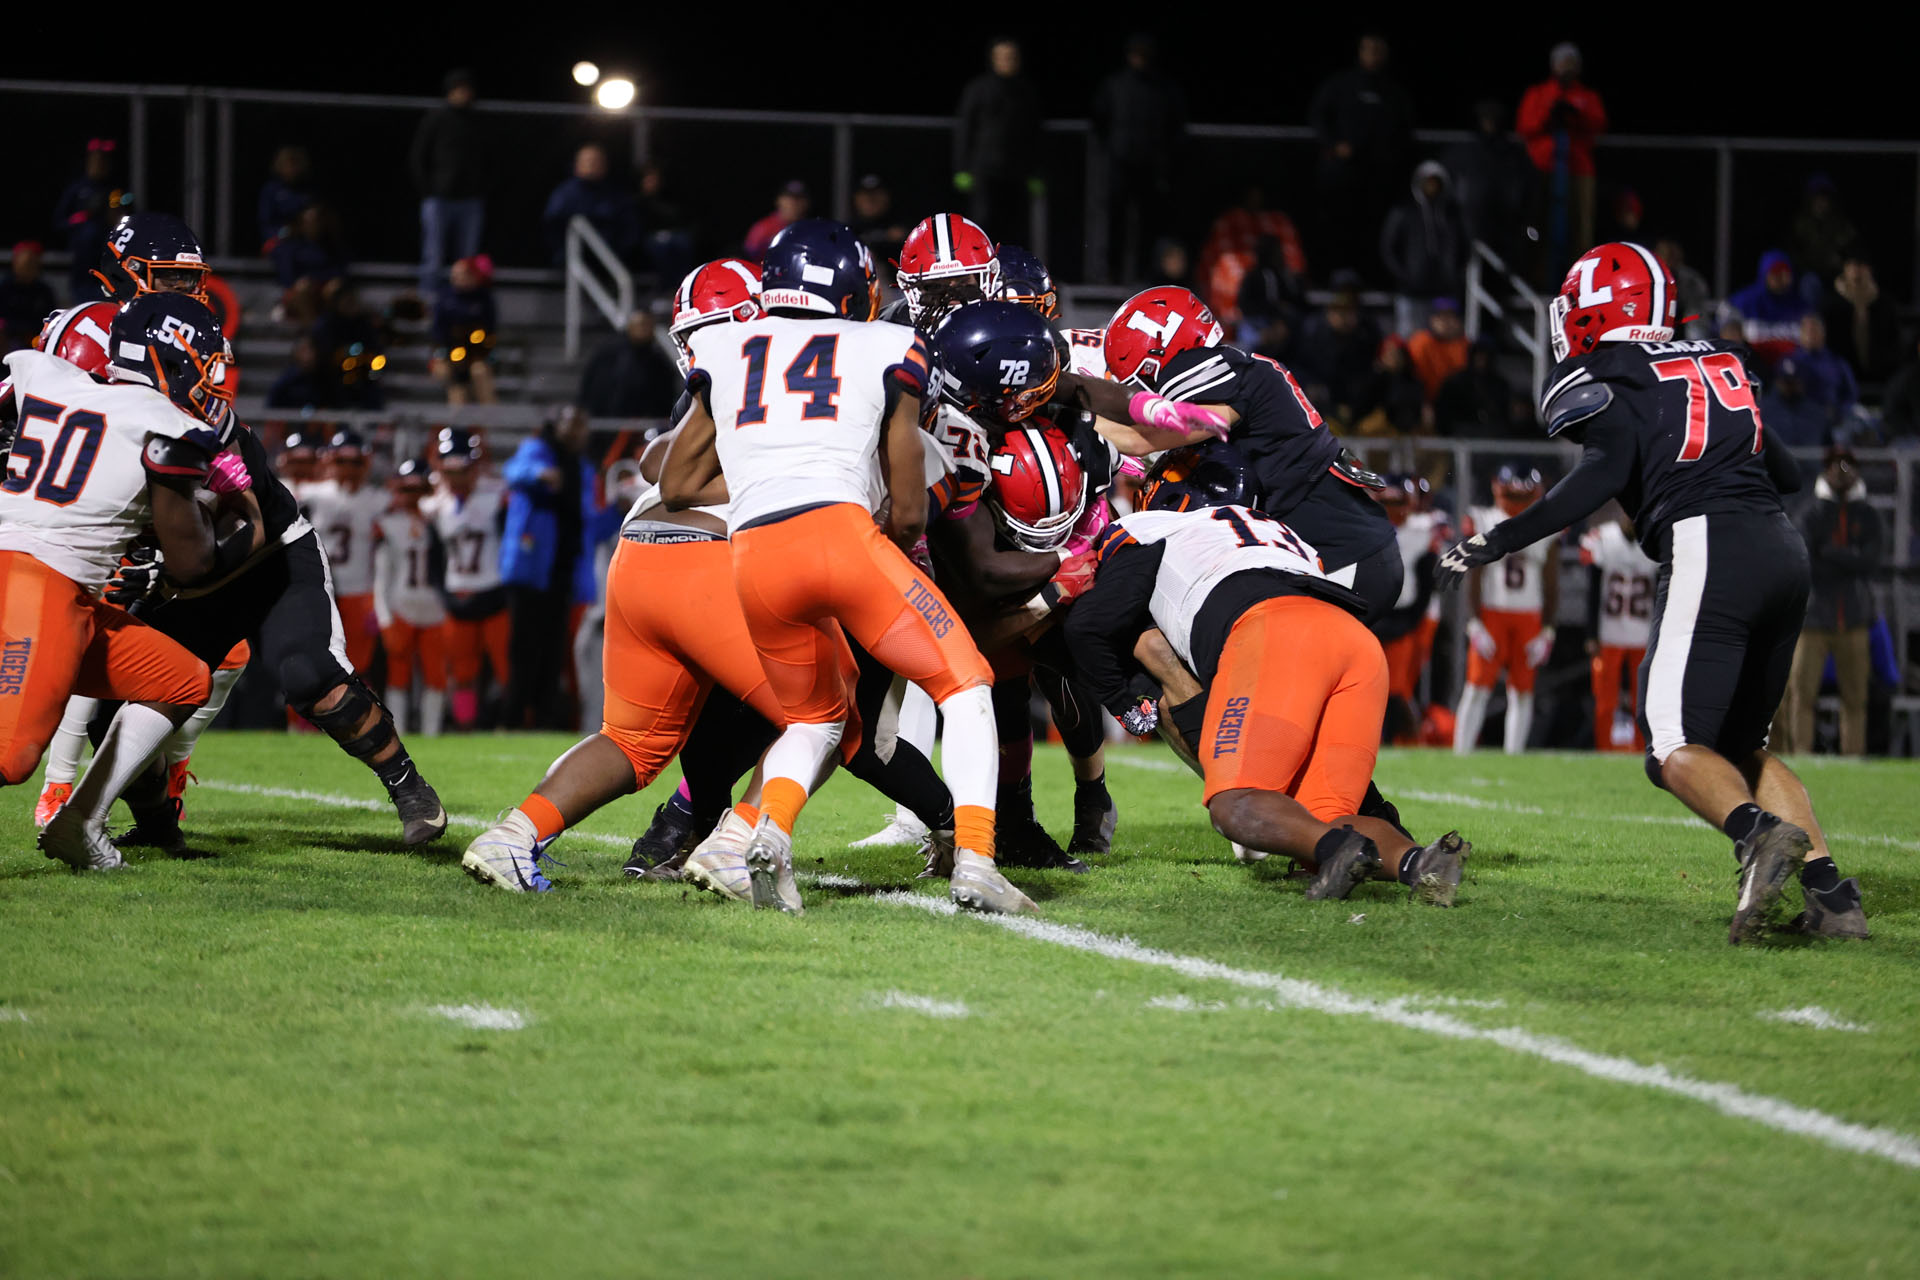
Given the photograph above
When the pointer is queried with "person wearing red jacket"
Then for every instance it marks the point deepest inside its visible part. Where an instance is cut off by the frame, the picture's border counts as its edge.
(1559, 119)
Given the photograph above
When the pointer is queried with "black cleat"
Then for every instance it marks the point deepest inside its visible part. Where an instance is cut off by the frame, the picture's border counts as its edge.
(1834, 914)
(1024, 843)
(1093, 825)
(663, 847)
(1773, 852)
(1439, 870)
(155, 827)
(422, 819)
(1354, 861)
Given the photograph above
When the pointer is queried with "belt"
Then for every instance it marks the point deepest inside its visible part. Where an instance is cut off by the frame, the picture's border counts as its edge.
(660, 533)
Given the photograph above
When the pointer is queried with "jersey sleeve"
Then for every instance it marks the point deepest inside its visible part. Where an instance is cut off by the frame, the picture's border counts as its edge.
(912, 373)
(1204, 375)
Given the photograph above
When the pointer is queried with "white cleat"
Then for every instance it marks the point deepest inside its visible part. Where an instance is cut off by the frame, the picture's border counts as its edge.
(502, 856)
(1247, 857)
(901, 828)
(978, 885)
(81, 844)
(770, 868)
(719, 863)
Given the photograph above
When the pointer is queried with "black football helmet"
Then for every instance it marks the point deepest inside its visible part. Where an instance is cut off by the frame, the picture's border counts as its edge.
(997, 359)
(348, 441)
(456, 447)
(173, 344)
(152, 253)
(1025, 281)
(413, 475)
(1213, 474)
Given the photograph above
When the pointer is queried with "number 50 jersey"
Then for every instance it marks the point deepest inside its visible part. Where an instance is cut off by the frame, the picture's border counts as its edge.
(798, 405)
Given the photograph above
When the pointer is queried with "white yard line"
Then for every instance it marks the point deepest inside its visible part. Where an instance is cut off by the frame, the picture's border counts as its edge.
(1297, 993)
(925, 1005)
(481, 1017)
(1814, 1016)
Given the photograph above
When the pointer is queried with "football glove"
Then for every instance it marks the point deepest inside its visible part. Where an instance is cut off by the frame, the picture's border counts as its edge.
(1151, 410)
(1481, 639)
(136, 578)
(1462, 556)
(1540, 647)
(1073, 577)
(228, 474)
(1142, 718)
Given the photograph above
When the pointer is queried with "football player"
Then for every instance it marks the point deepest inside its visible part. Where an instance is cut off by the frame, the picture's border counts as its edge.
(1672, 429)
(1509, 617)
(1287, 748)
(1622, 609)
(1406, 633)
(467, 516)
(406, 604)
(813, 397)
(947, 262)
(298, 464)
(343, 511)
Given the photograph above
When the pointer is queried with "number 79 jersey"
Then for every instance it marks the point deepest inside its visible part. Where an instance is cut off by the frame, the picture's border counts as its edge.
(798, 406)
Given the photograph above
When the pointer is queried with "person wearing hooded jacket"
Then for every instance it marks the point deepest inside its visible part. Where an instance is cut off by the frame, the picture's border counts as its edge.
(1424, 246)
(1845, 540)
(1770, 308)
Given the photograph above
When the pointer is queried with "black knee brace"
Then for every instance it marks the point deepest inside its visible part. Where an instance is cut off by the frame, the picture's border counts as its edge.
(1190, 717)
(341, 721)
(1378, 806)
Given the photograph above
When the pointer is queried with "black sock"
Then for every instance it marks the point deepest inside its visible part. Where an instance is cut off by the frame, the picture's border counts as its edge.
(1409, 873)
(1741, 822)
(907, 778)
(394, 771)
(1014, 802)
(1093, 793)
(1327, 845)
(1820, 875)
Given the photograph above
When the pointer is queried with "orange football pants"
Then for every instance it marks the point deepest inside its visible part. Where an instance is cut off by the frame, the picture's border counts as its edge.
(1607, 666)
(1511, 631)
(57, 641)
(802, 579)
(361, 628)
(408, 646)
(468, 642)
(1296, 706)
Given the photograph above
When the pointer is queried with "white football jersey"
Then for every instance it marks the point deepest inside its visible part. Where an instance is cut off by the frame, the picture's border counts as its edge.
(1626, 585)
(797, 406)
(1416, 536)
(402, 588)
(1087, 352)
(344, 519)
(1515, 584)
(75, 492)
(470, 532)
(1204, 548)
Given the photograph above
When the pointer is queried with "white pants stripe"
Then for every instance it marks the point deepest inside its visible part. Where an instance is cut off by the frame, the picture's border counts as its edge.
(1673, 644)
(337, 633)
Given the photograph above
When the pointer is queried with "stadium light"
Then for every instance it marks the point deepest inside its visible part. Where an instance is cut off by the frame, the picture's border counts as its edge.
(615, 94)
(586, 74)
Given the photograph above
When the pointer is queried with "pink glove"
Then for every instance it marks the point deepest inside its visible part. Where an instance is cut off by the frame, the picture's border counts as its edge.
(1090, 526)
(1481, 639)
(228, 474)
(1171, 415)
(1133, 467)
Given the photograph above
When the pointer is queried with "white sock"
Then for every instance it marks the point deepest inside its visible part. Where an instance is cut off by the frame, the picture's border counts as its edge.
(182, 741)
(971, 765)
(135, 734)
(397, 700)
(803, 753)
(433, 711)
(70, 741)
(1468, 717)
(1519, 721)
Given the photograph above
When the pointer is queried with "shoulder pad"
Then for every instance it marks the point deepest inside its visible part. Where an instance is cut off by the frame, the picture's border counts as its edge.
(1573, 401)
(186, 456)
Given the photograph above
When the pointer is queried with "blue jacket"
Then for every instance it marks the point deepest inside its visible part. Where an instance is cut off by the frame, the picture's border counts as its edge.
(529, 542)
(1830, 383)
(1772, 319)
(606, 206)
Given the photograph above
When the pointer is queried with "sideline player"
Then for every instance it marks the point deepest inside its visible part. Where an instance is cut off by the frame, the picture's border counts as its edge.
(468, 516)
(1672, 429)
(343, 510)
(1509, 617)
(406, 604)
(1406, 632)
(822, 410)
(1622, 609)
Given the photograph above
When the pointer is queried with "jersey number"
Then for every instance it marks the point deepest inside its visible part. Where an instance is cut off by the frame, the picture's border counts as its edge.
(1306, 405)
(1628, 595)
(61, 469)
(340, 543)
(416, 569)
(1515, 575)
(1278, 535)
(1724, 375)
(811, 375)
(466, 549)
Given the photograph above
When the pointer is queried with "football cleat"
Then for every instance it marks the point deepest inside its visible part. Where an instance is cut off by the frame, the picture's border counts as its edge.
(503, 856)
(901, 828)
(1351, 863)
(1093, 826)
(1439, 870)
(938, 853)
(1837, 913)
(1773, 852)
(155, 826)
(1245, 856)
(422, 819)
(719, 863)
(52, 796)
(770, 869)
(1024, 843)
(81, 844)
(663, 847)
(978, 885)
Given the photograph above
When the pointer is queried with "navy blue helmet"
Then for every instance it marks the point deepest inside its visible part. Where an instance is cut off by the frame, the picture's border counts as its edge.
(996, 358)
(456, 446)
(1025, 280)
(152, 253)
(1213, 474)
(173, 344)
(347, 440)
(819, 267)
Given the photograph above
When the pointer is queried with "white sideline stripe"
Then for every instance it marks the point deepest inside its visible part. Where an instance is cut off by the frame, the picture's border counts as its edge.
(481, 1017)
(1297, 993)
(1186, 1004)
(1814, 1016)
(922, 1004)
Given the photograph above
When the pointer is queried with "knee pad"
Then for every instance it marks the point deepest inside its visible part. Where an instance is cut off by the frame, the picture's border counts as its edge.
(1190, 717)
(1654, 774)
(304, 681)
(341, 722)
(1378, 806)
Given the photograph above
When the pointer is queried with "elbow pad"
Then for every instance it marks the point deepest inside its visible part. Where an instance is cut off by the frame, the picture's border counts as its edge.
(1575, 405)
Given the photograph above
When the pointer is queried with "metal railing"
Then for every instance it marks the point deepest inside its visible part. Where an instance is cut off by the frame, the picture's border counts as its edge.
(1531, 337)
(582, 239)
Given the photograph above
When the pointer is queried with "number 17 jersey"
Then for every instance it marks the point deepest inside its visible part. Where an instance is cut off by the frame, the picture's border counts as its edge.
(798, 407)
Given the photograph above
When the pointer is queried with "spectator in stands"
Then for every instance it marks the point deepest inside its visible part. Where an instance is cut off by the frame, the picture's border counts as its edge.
(1363, 120)
(302, 384)
(1696, 295)
(1823, 236)
(1395, 403)
(1830, 383)
(91, 203)
(554, 520)
(1559, 119)
(463, 332)
(1440, 350)
(1424, 246)
(1175, 266)
(1627, 214)
(588, 194)
(669, 239)
(1269, 292)
(287, 191)
(1232, 244)
(450, 161)
(1336, 351)
(630, 376)
(1494, 182)
(1900, 404)
(1790, 416)
(26, 299)
(789, 207)
(352, 344)
(1478, 400)
(876, 223)
(1770, 308)
(996, 145)
(1140, 119)
(1861, 325)
(305, 260)
(1846, 543)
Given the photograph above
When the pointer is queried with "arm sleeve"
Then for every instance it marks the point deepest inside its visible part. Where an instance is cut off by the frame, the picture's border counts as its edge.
(1531, 121)
(1200, 376)
(1103, 624)
(1604, 470)
(1782, 467)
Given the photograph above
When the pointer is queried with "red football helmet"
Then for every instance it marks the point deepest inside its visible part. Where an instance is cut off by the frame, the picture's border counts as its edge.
(78, 335)
(1618, 292)
(1154, 326)
(946, 262)
(1038, 491)
(724, 289)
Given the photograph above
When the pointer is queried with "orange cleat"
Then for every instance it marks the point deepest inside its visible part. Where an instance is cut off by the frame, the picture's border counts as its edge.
(54, 795)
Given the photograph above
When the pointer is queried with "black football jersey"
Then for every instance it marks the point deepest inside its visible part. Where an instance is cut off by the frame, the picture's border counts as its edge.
(278, 508)
(1279, 430)
(1688, 410)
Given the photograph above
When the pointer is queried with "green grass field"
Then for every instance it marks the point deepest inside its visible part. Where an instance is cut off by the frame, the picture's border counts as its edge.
(241, 1066)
